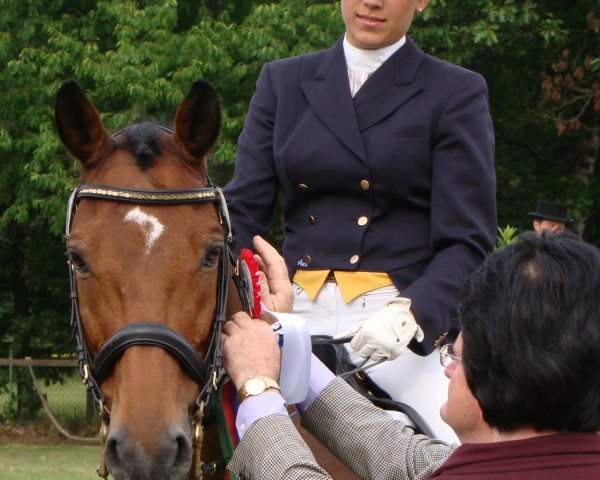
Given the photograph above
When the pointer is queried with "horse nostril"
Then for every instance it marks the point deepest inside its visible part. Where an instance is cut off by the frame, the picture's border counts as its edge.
(183, 453)
(171, 459)
(112, 450)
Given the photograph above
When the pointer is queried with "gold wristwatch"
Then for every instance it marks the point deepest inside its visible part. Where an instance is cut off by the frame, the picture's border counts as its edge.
(255, 386)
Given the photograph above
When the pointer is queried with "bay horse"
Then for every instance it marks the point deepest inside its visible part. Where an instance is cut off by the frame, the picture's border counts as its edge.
(148, 252)
(147, 241)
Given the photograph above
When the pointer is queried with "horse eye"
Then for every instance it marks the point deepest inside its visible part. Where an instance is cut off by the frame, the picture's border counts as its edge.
(77, 262)
(213, 254)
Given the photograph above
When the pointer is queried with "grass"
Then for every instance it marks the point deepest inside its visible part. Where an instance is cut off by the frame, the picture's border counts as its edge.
(40, 453)
(49, 462)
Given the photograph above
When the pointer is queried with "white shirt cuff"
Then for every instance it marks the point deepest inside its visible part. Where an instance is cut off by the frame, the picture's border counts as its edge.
(256, 407)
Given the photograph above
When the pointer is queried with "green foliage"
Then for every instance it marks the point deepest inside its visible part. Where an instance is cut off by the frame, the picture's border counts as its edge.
(8, 403)
(462, 32)
(506, 236)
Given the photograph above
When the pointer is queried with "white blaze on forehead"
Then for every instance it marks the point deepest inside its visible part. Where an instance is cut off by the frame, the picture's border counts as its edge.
(151, 226)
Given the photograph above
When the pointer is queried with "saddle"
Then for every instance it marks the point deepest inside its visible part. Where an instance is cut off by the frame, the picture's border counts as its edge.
(337, 359)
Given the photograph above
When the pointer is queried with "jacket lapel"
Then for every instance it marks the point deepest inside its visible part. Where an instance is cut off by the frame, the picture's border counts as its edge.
(328, 94)
(389, 87)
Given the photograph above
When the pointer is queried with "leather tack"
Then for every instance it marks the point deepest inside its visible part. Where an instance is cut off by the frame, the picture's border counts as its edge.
(440, 339)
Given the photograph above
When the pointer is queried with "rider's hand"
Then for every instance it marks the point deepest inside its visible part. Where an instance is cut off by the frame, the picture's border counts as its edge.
(275, 287)
(387, 333)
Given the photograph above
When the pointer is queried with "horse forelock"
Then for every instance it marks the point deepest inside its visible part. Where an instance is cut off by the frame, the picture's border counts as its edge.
(143, 141)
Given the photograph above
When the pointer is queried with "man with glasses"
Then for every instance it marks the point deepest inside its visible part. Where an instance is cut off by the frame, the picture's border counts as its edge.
(523, 397)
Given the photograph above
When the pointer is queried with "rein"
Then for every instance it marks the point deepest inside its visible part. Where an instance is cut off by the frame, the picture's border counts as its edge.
(327, 340)
(207, 372)
(331, 352)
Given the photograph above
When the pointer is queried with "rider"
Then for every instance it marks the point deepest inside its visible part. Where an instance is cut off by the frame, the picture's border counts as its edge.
(384, 156)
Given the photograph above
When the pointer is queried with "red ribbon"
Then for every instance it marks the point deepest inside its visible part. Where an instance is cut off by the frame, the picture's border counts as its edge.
(248, 257)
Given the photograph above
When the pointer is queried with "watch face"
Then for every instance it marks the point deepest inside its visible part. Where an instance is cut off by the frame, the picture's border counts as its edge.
(254, 386)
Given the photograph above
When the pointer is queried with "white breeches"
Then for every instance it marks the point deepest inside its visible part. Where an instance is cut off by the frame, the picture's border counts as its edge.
(418, 381)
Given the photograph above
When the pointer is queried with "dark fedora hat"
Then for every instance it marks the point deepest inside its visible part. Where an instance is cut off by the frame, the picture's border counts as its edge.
(551, 211)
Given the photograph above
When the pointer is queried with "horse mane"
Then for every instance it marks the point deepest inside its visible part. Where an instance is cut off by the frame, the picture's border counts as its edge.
(142, 140)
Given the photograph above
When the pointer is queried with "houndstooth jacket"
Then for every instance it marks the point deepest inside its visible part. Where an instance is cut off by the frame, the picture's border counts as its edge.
(367, 439)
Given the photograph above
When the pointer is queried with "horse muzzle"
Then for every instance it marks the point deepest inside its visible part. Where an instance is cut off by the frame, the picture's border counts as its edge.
(128, 460)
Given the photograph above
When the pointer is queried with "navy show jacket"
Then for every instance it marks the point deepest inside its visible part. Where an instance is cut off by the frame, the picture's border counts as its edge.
(399, 179)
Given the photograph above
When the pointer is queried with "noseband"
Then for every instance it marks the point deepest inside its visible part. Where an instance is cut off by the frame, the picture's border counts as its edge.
(207, 372)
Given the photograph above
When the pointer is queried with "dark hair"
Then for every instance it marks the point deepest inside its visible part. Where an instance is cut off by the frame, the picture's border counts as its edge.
(530, 319)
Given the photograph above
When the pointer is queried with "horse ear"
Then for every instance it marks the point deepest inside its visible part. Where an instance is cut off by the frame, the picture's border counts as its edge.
(198, 120)
(78, 124)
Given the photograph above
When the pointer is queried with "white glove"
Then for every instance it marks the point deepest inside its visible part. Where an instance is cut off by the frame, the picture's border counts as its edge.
(387, 333)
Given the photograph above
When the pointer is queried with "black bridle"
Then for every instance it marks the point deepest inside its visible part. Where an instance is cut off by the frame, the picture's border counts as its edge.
(207, 372)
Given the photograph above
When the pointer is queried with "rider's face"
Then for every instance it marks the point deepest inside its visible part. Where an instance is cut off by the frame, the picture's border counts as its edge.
(374, 24)
(461, 411)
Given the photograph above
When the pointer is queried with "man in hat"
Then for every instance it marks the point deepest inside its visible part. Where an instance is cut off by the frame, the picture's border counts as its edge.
(551, 216)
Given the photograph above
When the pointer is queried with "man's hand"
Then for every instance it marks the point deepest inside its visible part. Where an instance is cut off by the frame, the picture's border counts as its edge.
(250, 348)
(275, 287)
(387, 333)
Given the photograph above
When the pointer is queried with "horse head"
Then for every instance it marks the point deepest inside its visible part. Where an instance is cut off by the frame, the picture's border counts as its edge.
(137, 262)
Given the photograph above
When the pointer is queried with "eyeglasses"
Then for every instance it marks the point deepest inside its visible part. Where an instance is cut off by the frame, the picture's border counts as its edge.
(447, 355)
